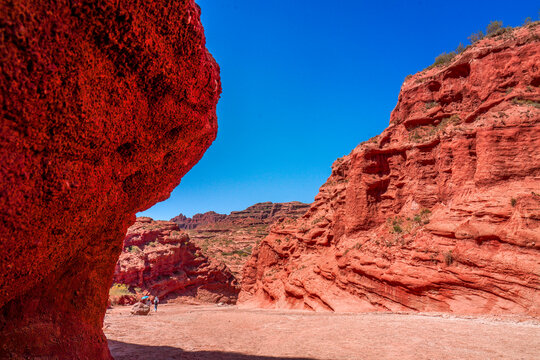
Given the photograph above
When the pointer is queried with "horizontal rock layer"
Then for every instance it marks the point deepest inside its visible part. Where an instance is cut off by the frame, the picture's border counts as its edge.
(260, 213)
(441, 212)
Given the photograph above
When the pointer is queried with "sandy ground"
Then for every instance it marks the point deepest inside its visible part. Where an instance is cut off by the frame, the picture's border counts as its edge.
(210, 332)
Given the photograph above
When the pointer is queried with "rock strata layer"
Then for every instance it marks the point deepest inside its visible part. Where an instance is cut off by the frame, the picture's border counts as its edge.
(231, 238)
(105, 105)
(441, 212)
(160, 260)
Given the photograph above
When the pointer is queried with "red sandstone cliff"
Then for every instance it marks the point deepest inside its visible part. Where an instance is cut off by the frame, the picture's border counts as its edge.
(231, 238)
(159, 259)
(441, 212)
(105, 105)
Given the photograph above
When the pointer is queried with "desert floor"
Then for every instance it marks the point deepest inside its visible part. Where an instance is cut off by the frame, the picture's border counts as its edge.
(206, 332)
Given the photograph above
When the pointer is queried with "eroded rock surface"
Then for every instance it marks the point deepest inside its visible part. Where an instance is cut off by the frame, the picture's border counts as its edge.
(231, 238)
(441, 212)
(105, 106)
(160, 260)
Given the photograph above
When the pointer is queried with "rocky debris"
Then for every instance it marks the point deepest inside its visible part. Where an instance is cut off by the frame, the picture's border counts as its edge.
(441, 212)
(231, 238)
(105, 106)
(160, 260)
(140, 309)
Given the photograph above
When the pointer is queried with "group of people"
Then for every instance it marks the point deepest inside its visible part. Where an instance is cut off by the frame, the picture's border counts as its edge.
(156, 302)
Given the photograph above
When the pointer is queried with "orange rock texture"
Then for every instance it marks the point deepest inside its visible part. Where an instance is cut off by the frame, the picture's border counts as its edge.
(105, 106)
(439, 213)
(231, 238)
(162, 261)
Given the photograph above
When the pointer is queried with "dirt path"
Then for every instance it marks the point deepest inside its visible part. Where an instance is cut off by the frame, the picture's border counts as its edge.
(211, 332)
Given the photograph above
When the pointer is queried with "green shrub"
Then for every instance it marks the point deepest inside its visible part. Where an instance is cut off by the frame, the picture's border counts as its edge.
(444, 58)
(475, 37)
(449, 258)
(415, 135)
(532, 103)
(119, 290)
(133, 249)
(397, 229)
(493, 27)
(513, 202)
(460, 49)
(431, 104)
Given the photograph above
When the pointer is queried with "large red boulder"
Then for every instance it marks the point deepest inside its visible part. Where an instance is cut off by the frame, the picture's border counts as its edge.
(105, 105)
(441, 212)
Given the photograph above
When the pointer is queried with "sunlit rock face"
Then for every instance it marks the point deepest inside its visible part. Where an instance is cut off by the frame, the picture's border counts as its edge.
(441, 212)
(161, 260)
(105, 106)
(231, 238)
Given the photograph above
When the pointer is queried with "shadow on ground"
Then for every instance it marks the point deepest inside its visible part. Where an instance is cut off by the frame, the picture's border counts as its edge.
(125, 351)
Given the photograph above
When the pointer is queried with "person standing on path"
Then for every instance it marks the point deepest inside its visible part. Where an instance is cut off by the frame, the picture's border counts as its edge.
(156, 302)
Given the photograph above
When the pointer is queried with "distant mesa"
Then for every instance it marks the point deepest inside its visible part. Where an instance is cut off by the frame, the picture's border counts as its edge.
(260, 213)
(210, 217)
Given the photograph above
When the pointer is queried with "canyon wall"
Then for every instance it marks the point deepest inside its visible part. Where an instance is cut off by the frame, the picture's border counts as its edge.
(231, 238)
(105, 106)
(160, 260)
(441, 212)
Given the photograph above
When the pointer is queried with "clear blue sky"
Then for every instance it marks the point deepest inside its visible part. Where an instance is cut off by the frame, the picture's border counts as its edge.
(305, 81)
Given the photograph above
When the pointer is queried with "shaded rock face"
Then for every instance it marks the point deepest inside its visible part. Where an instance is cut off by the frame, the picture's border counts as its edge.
(441, 212)
(161, 260)
(231, 238)
(105, 106)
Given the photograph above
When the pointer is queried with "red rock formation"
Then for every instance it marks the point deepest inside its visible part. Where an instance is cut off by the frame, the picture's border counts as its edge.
(210, 217)
(161, 260)
(231, 238)
(441, 212)
(260, 213)
(105, 105)
(267, 212)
